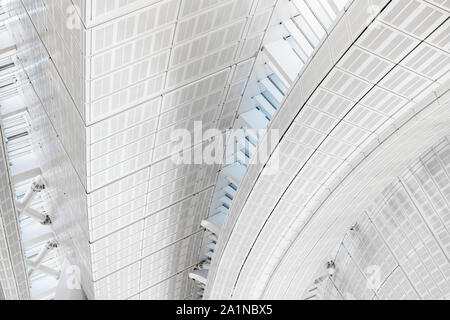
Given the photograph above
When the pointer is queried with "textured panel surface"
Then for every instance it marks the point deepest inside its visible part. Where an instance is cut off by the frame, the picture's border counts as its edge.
(321, 146)
(111, 81)
(399, 247)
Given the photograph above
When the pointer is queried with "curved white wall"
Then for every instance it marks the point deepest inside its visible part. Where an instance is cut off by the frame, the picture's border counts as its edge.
(336, 115)
(399, 247)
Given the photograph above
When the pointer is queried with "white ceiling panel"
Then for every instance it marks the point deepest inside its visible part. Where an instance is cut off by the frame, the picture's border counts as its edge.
(136, 71)
(370, 87)
(417, 18)
(139, 70)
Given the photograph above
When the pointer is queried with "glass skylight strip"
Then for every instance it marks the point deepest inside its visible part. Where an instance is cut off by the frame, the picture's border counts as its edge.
(308, 21)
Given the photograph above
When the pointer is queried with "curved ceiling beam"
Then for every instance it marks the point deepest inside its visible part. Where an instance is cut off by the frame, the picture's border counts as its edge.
(408, 219)
(340, 209)
(313, 167)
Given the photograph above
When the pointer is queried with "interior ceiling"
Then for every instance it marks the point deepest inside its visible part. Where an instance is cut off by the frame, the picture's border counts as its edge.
(344, 109)
(399, 245)
(123, 212)
(138, 70)
(13, 276)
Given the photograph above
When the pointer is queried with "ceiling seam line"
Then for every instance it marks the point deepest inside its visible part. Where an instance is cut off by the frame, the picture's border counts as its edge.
(363, 273)
(144, 7)
(397, 267)
(402, 185)
(49, 56)
(328, 135)
(434, 180)
(307, 222)
(229, 83)
(447, 174)
(410, 35)
(143, 168)
(58, 136)
(149, 255)
(395, 132)
(170, 90)
(166, 76)
(152, 214)
(393, 254)
(14, 209)
(419, 211)
(292, 122)
(173, 276)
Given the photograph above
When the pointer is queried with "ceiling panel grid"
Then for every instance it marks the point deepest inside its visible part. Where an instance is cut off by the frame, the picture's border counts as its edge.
(175, 178)
(280, 119)
(365, 191)
(123, 168)
(13, 276)
(264, 72)
(112, 146)
(345, 135)
(142, 78)
(273, 191)
(111, 90)
(63, 195)
(357, 286)
(404, 235)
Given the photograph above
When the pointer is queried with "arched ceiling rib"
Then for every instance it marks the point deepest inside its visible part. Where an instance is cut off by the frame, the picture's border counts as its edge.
(112, 83)
(399, 247)
(338, 212)
(345, 117)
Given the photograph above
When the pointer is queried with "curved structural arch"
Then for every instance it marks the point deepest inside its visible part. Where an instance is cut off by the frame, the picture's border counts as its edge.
(399, 246)
(339, 211)
(334, 120)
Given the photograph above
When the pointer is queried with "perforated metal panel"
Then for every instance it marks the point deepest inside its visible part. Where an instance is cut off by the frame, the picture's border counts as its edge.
(398, 249)
(122, 77)
(368, 97)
